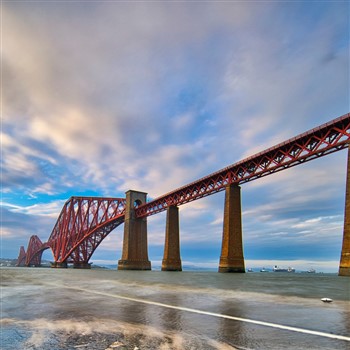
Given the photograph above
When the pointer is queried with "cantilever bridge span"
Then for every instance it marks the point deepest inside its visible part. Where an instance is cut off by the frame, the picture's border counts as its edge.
(85, 221)
(81, 226)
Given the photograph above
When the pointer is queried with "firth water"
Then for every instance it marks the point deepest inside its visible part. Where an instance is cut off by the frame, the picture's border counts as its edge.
(109, 309)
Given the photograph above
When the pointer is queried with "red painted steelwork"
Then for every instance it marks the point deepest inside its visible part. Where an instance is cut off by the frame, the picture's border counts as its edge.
(318, 142)
(85, 221)
(21, 257)
(34, 251)
(82, 225)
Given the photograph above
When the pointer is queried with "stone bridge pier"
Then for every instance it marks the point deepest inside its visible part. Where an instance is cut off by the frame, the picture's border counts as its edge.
(344, 266)
(232, 259)
(171, 260)
(135, 249)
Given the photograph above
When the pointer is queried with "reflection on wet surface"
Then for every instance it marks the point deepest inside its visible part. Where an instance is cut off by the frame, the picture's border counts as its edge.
(70, 309)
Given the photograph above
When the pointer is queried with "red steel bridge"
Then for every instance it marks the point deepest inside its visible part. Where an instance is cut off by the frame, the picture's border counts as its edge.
(85, 221)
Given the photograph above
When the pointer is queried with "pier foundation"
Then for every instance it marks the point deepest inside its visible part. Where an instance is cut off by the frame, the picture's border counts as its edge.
(81, 265)
(135, 249)
(172, 260)
(232, 259)
(59, 265)
(344, 266)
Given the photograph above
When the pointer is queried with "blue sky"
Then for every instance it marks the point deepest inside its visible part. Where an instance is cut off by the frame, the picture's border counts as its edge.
(102, 97)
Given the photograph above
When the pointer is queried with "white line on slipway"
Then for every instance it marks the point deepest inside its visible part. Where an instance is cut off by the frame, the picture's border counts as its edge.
(201, 312)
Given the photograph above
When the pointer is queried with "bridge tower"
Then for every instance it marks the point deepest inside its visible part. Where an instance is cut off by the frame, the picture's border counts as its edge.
(172, 260)
(135, 249)
(21, 257)
(232, 259)
(344, 266)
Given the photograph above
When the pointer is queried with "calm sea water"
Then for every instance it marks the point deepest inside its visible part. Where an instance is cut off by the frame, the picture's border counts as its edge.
(108, 309)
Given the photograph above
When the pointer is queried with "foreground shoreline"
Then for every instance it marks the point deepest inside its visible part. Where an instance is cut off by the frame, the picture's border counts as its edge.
(46, 309)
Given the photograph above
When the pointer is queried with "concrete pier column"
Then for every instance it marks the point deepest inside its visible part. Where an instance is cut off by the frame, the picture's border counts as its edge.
(135, 249)
(231, 259)
(172, 260)
(344, 266)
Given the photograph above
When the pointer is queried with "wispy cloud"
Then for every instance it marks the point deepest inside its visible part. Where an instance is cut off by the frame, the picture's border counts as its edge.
(44, 209)
(155, 95)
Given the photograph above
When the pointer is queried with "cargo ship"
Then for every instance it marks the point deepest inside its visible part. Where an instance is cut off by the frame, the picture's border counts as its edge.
(280, 269)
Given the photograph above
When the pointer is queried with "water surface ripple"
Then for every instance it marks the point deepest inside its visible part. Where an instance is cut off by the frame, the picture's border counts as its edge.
(96, 309)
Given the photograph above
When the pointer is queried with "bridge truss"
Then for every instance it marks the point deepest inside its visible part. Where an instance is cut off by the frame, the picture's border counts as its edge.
(85, 221)
(21, 257)
(81, 226)
(325, 139)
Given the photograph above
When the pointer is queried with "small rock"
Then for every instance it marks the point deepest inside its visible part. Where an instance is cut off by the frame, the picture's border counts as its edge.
(116, 344)
(81, 346)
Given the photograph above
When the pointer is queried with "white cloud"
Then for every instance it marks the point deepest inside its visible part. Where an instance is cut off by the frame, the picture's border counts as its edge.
(52, 209)
(113, 242)
(154, 96)
(183, 121)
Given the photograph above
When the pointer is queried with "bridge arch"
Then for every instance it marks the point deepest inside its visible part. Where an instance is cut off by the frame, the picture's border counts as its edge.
(82, 225)
(82, 251)
(35, 259)
(34, 251)
(21, 257)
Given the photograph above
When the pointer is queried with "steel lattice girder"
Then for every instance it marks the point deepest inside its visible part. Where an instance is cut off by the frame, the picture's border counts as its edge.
(83, 223)
(34, 251)
(21, 257)
(325, 139)
(88, 244)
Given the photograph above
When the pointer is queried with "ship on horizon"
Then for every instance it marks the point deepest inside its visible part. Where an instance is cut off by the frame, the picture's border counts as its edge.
(280, 269)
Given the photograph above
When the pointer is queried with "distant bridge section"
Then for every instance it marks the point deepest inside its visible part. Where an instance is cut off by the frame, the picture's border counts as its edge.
(315, 143)
(82, 225)
(21, 257)
(34, 251)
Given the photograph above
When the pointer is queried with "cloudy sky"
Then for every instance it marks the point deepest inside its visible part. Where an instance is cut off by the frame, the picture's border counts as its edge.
(99, 97)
